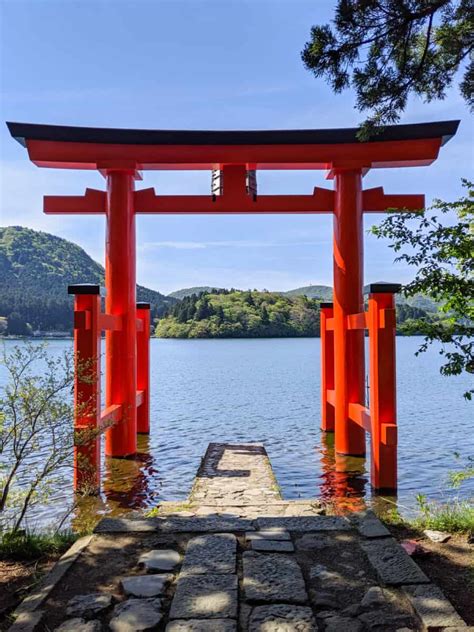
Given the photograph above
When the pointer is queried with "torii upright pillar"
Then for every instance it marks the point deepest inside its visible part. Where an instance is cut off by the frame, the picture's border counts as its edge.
(349, 356)
(120, 282)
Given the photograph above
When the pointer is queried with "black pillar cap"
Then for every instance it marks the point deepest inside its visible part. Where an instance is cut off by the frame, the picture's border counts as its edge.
(328, 305)
(86, 288)
(384, 288)
(143, 305)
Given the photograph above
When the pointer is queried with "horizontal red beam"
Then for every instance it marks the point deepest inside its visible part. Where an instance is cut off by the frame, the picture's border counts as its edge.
(82, 319)
(389, 434)
(376, 201)
(140, 398)
(110, 322)
(111, 415)
(93, 201)
(331, 396)
(322, 201)
(79, 155)
(360, 414)
(357, 321)
(146, 201)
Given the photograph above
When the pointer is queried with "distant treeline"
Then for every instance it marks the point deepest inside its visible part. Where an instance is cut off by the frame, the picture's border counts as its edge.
(250, 314)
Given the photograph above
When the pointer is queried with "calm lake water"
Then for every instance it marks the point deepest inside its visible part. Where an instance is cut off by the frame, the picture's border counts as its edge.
(267, 390)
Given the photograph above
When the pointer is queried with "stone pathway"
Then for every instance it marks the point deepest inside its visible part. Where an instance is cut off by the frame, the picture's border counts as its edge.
(233, 475)
(250, 562)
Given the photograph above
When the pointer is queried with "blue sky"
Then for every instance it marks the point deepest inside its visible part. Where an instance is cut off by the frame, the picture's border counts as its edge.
(202, 64)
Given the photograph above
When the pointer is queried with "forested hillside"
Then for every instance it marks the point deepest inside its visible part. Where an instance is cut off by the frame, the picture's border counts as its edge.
(237, 314)
(35, 270)
(249, 314)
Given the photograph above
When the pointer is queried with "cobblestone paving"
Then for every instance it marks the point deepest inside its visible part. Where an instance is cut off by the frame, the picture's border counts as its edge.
(239, 558)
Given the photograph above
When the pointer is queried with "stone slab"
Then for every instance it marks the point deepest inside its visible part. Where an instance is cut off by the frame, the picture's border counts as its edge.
(27, 621)
(313, 542)
(79, 625)
(202, 625)
(177, 524)
(135, 615)
(146, 585)
(159, 560)
(125, 525)
(203, 524)
(272, 577)
(340, 624)
(274, 546)
(88, 606)
(210, 553)
(305, 523)
(391, 562)
(371, 527)
(268, 534)
(205, 597)
(282, 618)
(434, 610)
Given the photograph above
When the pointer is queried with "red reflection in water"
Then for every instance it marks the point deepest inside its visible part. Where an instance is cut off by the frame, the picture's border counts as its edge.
(343, 478)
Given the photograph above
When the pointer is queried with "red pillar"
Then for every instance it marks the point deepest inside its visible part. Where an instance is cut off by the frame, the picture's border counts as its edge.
(348, 299)
(143, 367)
(86, 387)
(120, 280)
(327, 368)
(383, 401)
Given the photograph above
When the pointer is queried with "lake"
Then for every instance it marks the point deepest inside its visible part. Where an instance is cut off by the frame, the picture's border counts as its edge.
(267, 390)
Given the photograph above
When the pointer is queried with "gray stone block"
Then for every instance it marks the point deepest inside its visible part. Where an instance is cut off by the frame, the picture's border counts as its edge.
(205, 597)
(273, 577)
(392, 563)
(210, 553)
(268, 534)
(125, 525)
(135, 615)
(434, 610)
(340, 624)
(205, 524)
(313, 542)
(159, 560)
(370, 526)
(79, 625)
(146, 585)
(374, 597)
(305, 523)
(274, 546)
(385, 619)
(202, 625)
(282, 617)
(88, 606)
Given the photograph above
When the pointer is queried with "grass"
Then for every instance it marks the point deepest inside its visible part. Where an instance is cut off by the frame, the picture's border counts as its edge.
(454, 516)
(24, 545)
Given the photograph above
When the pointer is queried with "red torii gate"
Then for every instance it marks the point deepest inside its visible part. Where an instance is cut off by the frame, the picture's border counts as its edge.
(234, 157)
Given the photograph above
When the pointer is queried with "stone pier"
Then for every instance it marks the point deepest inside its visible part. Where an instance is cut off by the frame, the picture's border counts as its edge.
(236, 557)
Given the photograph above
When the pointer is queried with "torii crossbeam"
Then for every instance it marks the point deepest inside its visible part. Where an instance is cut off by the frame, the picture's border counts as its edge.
(234, 157)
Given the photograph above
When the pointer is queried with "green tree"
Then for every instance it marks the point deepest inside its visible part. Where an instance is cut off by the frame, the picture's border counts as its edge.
(36, 430)
(389, 49)
(16, 325)
(442, 253)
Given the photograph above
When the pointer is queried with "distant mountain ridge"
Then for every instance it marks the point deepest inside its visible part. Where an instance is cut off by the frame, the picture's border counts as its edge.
(189, 291)
(35, 270)
(322, 292)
